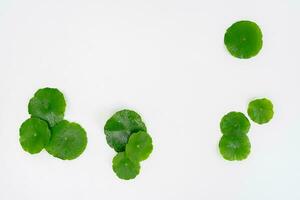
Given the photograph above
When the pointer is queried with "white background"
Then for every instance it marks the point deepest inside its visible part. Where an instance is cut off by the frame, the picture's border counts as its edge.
(166, 60)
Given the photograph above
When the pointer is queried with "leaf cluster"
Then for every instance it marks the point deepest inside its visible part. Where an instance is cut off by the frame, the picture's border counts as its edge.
(47, 129)
(235, 144)
(127, 134)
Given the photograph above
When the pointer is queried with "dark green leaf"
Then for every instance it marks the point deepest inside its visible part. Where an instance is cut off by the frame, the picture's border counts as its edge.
(120, 126)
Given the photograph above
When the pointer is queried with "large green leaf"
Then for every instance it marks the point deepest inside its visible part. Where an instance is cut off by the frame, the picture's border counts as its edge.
(261, 110)
(124, 167)
(243, 39)
(235, 123)
(34, 135)
(120, 126)
(48, 104)
(68, 140)
(139, 146)
(233, 147)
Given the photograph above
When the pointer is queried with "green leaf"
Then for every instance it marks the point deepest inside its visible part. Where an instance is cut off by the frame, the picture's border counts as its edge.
(139, 146)
(261, 110)
(120, 126)
(243, 39)
(48, 104)
(124, 167)
(235, 123)
(34, 135)
(68, 140)
(233, 147)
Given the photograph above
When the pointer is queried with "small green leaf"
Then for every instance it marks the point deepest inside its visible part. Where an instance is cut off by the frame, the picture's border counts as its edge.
(139, 146)
(243, 39)
(68, 140)
(233, 147)
(120, 126)
(48, 104)
(34, 135)
(261, 110)
(235, 123)
(124, 167)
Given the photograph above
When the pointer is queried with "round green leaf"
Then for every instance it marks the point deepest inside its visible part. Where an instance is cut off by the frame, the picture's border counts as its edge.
(235, 123)
(261, 110)
(34, 135)
(233, 147)
(120, 126)
(139, 146)
(48, 104)
(124, 167)
(68, 140)
(243, 39)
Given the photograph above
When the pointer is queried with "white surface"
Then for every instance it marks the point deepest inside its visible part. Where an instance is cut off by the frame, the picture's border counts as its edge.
(166, 60)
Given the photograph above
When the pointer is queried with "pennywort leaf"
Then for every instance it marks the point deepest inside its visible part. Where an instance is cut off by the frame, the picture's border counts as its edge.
(34, 135)
(48, 104)
(139, 146)
(235, 123)
(68, 140)
(124, 167)
(234, 147)
(261, 110)
(243, 39)
(120, 126)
